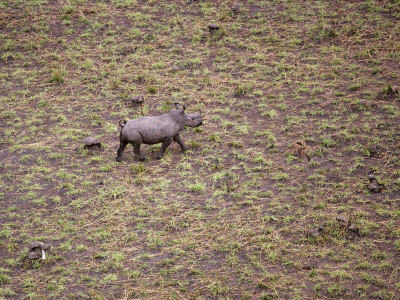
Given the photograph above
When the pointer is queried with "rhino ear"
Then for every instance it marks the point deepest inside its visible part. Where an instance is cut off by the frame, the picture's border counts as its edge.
(176, 105)
(183, 107)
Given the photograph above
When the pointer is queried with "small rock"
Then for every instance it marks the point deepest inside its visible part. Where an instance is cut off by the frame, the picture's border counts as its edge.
(213, 27)
(353, 227)
(92, 143)
(175, 68)
(235, 9)
(308, 267)
(375, 187)
(342, 220)
(36, 250)
(347, 224)
(137, 99)
(370, 176)
(315, 232)
(89, 141)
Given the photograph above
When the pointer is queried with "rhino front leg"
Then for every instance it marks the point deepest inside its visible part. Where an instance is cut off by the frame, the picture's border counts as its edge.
(178, 139)
(164, 147)
(136, 150)
(121, 150)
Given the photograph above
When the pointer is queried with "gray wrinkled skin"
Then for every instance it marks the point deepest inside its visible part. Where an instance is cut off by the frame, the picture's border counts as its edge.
(153, 130)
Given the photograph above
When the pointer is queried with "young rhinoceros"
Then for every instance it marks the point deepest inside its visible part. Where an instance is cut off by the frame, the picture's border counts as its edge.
(153, 130)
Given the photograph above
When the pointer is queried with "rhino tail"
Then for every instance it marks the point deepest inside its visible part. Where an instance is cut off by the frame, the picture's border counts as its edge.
(122, 123)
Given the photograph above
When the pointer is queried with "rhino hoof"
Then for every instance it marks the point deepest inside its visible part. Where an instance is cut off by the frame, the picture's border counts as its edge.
(185, 148)
(118, 159)
(142, 158)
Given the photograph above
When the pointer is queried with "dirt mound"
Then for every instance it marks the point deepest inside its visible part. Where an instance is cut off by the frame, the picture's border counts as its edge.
(301, 149)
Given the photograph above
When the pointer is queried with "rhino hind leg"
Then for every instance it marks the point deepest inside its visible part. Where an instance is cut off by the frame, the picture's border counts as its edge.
(136, 150)
(178, 139)
(121, 150)
(164, 147)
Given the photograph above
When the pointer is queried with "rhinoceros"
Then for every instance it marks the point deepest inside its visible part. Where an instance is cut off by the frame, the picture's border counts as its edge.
(153, 130)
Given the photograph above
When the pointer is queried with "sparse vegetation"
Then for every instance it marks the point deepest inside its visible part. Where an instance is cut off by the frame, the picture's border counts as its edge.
(237, 216)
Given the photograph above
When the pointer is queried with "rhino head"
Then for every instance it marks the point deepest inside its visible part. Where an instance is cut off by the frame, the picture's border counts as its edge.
(191, 120)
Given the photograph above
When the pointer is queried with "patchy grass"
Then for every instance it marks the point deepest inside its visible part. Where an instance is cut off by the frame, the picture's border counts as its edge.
(237, 215)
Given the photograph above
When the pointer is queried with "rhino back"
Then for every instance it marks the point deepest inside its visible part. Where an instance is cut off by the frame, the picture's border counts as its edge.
(151, 130)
